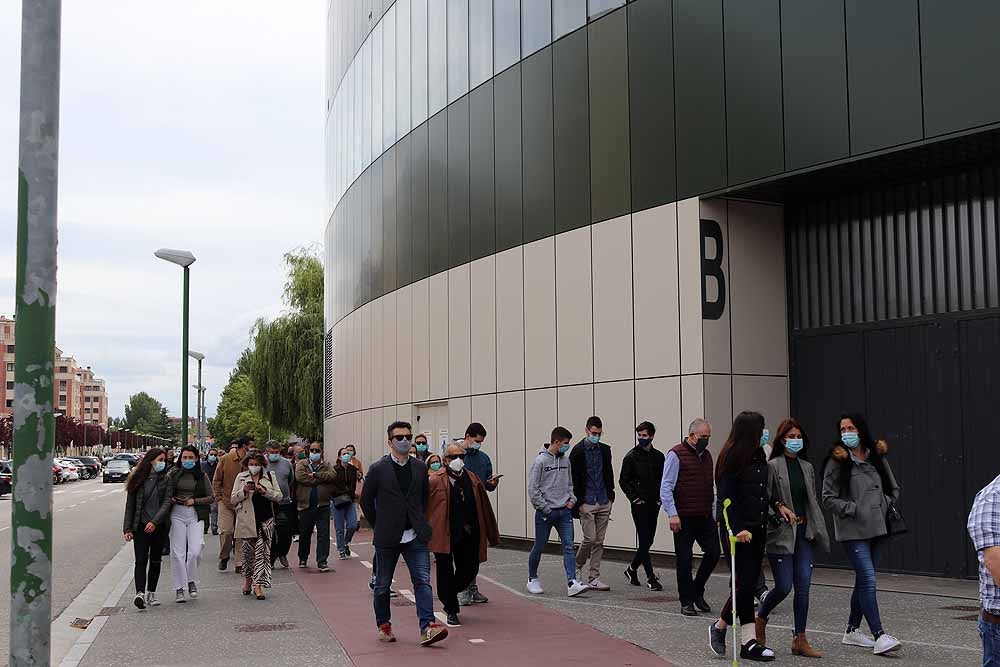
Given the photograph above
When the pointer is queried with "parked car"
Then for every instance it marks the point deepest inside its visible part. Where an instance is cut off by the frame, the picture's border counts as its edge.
(117, 470)
(87, 470)
(56, 474)
(132, 459)
(69, 471)
(6, 477)
(92, 463)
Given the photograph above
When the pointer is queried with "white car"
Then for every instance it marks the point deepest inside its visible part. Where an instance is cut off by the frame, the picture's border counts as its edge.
(69, 471)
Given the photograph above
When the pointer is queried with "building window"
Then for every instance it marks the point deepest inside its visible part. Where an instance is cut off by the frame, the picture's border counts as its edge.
(62, 399)
(86, 410)
(10, 349)
(10, 368)
(10, 385)
(62, 385)
(63, 369)
(10, 402)
(86, 399)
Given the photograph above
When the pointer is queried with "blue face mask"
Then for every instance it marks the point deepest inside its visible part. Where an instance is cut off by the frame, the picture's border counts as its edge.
(765, 438)
(314, 456)
(212, 458)
(188, 465)
(850, 439)
(421, 446)
(794, 445)
(475, 445)
(159, 466)
(564, 448)
(273, 458)
(435, 466)
(593, 439)
(345, 458)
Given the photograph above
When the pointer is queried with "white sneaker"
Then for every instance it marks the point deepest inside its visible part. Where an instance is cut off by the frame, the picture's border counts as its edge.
(575, 588)
(535, 586)
(858, 638)
(140, 600)
(886, 643)
(151, 599)
(598, 585)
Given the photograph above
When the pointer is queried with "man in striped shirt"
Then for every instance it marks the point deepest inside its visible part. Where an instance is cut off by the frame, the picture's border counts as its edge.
(984, 529)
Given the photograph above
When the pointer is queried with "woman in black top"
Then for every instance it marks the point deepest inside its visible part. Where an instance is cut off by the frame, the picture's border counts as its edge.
(145, 491)
(741, 475)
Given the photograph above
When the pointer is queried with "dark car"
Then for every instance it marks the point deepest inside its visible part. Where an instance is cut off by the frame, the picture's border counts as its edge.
(117, 470)
(132, 459)
(6, 477)
(90, 464)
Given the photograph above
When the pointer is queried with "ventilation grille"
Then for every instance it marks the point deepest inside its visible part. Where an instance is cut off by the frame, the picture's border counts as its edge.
(328, 375)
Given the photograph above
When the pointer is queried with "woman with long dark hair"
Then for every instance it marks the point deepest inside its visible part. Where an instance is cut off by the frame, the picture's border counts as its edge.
(741, 475)
(345, 516)
(188, 503)
(792, 540)
(145, 490)
(858, 488)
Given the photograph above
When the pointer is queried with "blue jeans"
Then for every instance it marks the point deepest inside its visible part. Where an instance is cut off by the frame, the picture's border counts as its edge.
(794, 570)
(990, 632)
(864, 556)
(345, 523)
(562, 520)
(418, 562)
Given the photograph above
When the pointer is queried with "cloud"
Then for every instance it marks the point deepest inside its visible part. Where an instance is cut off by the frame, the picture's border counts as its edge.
(188, 124)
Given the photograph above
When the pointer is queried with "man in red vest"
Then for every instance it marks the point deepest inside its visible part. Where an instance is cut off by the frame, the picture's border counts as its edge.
(687, 492)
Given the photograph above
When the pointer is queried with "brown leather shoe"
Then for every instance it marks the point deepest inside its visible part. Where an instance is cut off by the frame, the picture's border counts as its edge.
(801, 646)
(760, 630)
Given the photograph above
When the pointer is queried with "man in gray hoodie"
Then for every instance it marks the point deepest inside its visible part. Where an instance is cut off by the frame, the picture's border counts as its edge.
(550, 491)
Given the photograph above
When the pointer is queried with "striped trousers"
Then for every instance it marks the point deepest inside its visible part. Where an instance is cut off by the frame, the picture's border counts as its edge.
(257, 556)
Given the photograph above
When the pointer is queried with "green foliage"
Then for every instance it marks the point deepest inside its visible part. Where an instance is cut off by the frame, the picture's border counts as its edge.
(286, 354)
(145, 414)
(237, 414)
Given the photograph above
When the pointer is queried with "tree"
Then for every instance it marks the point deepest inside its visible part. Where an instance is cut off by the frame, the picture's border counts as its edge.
(286, 354)
(145, 414)
(237, 414)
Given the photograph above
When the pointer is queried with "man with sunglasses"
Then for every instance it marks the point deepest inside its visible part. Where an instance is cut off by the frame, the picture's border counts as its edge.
(315, 480)
(463, 526)
(394, 500)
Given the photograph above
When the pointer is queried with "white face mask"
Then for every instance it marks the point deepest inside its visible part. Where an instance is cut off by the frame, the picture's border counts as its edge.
(254, 470)
(457, 465)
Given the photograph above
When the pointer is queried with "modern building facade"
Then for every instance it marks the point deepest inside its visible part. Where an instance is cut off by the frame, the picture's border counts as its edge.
(666, 209)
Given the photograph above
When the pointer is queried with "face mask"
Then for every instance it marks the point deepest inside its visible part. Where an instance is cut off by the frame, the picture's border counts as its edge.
(254, 470)
(436, 466)
(593, 439)
(188, 465)
(401, 446)
(850, 438)
(794, 445)
(159, 466)
(273, 458)
(345, 458)
(421, 446)
(701, 444)
(643, 442)
(456, 465)
(212, 458)
(765, 438)
(314, 456)
(475, 445)
(564, 448)
(303, 456)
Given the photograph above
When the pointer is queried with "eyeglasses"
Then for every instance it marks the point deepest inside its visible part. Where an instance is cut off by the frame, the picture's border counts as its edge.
(401, 438)
(449, 457)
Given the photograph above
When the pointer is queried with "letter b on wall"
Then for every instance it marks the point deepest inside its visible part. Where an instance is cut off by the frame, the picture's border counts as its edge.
(711, 269)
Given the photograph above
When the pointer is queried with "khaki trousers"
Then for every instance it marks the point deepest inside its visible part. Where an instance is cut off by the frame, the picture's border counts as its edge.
(227, 527)
(594, 523)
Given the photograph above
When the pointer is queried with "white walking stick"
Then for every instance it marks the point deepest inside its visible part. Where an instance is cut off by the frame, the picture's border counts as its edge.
(732, 560)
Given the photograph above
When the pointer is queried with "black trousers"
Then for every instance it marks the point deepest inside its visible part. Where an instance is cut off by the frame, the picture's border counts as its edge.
(284, 522)
(455, 571)
(148, 548)
(318, 518)
(644, 515)
(700, 530)
(749, 561)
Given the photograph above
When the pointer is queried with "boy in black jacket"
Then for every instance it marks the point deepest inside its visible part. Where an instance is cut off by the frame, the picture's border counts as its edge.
(642, 470)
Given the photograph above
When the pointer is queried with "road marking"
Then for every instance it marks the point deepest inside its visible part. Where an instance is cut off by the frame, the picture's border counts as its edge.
(4, 528)
(366, 564)
(477, 641)
(441, 617)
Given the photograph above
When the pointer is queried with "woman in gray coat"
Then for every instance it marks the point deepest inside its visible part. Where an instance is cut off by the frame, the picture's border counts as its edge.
(791, 541)
(858, 486)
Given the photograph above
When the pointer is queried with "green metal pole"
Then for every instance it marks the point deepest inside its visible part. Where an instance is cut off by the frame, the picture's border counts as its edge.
(184, 357)
(33, 420)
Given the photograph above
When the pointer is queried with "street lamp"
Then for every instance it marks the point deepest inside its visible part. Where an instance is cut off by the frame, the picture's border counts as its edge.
(183, 259)
(201, 395)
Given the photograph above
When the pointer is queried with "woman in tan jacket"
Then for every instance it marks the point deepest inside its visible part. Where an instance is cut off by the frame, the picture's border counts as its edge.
(254, 494)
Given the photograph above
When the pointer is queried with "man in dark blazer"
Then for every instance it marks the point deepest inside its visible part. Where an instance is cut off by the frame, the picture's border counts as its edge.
(594, 488)
(394, 500)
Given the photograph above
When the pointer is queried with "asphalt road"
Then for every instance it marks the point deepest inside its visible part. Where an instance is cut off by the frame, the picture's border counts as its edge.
(87, 524)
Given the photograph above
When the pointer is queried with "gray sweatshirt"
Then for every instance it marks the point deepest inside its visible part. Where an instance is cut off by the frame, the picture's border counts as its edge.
(549, 484)
(285, 473)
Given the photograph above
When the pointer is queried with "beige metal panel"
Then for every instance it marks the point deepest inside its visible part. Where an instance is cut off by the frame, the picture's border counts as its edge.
(692, 398)
(484, 411)
(539, 420)
(719, 408)
(510, 319)
(389, 349)
(689, 265)
(614, 403)
(574, 308)
(613, 323)
(372, 365)
(459, 332)
(715, 333)
(484, 325)
(404, 343)
(767, 395)
(757, 289)
(539, 314)
(459, 416)
(510, 448)
(655, 279)
(575, 404)
(420, 295)
(375, 448)
(658, 400)
(438, 316)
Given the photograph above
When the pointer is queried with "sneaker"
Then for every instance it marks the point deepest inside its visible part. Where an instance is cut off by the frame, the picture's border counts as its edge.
(192, 590)
(348, 552)
(654, 584)
(215, 531)
(371, 584)
(886, 643)
(223, 563)
(858, 638)
(717, 640)
(140, 600)
(303, 565)
(756, 652)
(179, 596)
(479, 598)
(598, 585)
(452, 621)
(343, 555)
(284, 561)
(151, 600)
(702, 606)
(575, 587)
(323, 567)
(689, 610)
(631, 576)
(464, 599)
(535, 586)
(434, 633)
(385, 633)
(295, 538)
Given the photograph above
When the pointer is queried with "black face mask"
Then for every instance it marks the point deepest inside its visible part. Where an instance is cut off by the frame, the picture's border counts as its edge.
(701, 445)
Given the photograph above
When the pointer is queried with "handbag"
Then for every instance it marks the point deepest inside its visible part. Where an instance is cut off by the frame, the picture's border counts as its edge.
(342, 499)
(894, 522)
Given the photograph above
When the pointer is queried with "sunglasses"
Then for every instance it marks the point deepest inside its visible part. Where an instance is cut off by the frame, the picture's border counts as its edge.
(449, 457)
(315, 451)
(400, 438)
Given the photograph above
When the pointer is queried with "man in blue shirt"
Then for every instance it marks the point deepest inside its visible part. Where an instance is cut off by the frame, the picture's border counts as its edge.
(984, 529)
(478, 462)
(594, 487)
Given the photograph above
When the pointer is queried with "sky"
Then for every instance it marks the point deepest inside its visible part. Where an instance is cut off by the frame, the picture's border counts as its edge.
(184, 124)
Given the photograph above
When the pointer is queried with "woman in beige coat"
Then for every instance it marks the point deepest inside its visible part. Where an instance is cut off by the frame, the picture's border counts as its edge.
(254, 493)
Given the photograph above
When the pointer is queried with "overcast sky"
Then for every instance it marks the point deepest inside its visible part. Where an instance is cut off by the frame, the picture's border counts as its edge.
(185, 124)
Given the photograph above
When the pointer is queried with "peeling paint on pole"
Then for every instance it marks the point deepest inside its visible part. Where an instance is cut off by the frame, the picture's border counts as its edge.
(34, 423)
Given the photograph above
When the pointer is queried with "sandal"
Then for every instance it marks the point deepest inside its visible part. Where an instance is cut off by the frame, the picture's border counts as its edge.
(756, 652)
(259, 592)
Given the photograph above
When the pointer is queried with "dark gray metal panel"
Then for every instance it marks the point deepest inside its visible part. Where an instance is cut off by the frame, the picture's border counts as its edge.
(404, 218)
(481, 172)
(960, 52)
(814, 72)
(437, 139)
(754, 129)
(389, 282)
(378, 251)
(571, 128)
(651, 103)
(420, 241)
(536, 146)
(458, 183)
(699, 96)
(610, 182)
(507, 107)
(883, 61)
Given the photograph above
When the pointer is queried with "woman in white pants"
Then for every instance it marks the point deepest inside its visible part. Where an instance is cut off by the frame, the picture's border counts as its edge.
(190, 494)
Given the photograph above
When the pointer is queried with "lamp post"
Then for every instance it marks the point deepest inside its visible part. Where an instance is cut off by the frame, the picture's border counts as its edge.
(201, 393)
(183, 259)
